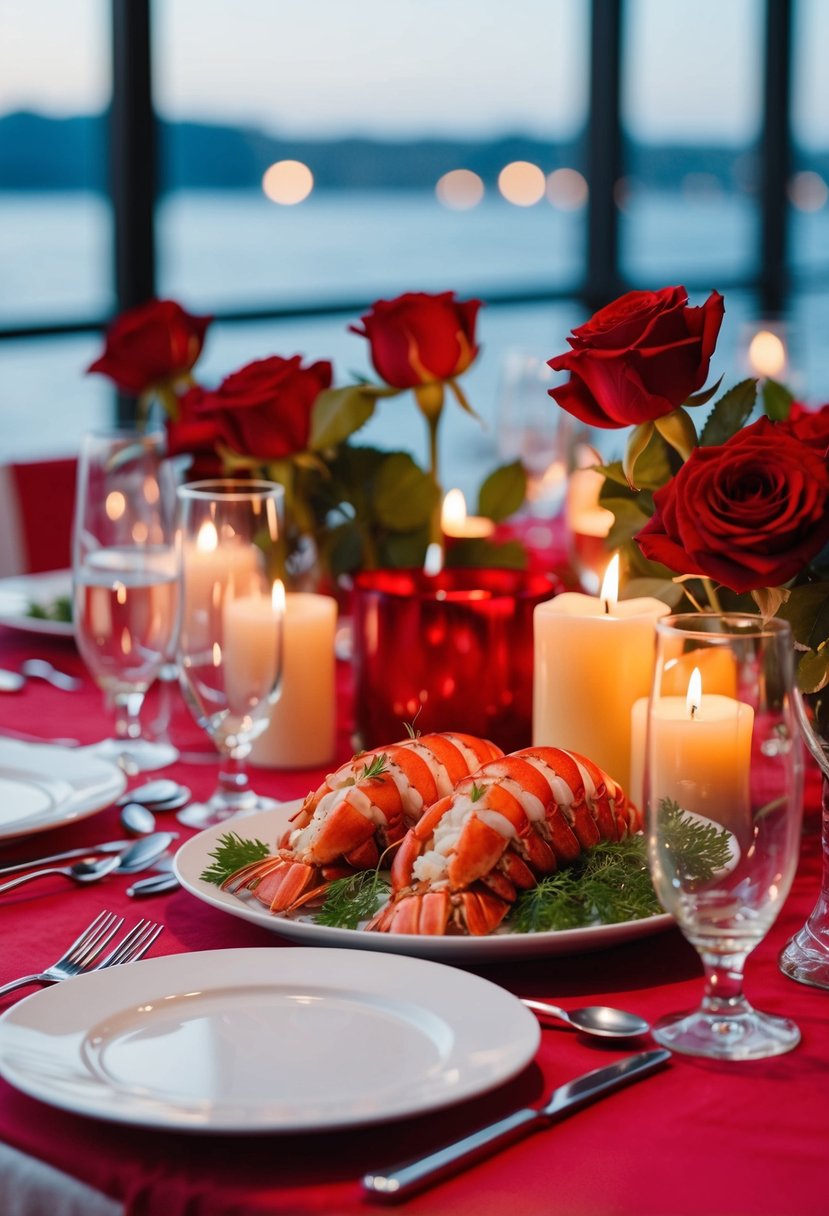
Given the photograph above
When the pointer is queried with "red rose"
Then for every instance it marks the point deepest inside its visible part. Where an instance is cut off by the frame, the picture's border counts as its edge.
(192, 435)
(264, 409)
(750, 513)
(809, 426)
(151, 345)
(639, 358)
(419, 338)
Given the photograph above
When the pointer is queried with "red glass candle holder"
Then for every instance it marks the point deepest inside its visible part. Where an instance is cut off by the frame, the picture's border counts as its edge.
(452, 651)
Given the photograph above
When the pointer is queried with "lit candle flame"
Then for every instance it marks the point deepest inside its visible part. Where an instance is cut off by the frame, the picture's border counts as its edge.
(278, 596)
(208, 538)
(609, 593)
(453, 511)
(694, 697)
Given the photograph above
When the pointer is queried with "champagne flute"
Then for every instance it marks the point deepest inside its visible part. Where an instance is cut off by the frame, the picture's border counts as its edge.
(125, 580)
(230, 644)
(724, 799)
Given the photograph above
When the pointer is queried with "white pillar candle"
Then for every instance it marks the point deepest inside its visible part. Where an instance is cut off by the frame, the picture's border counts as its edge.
(593, 658)
(251, 648)
(302, 729)
(700, 755)
(210, 568)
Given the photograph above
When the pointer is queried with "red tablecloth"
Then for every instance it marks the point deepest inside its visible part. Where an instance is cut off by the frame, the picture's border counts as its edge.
(698, 1137)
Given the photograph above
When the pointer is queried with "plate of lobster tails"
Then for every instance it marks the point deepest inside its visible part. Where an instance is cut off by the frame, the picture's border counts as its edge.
(444, 847)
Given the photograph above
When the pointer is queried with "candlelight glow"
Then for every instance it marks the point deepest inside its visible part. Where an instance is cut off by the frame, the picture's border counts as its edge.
(207, 540)
(433, 563)
(610, 583)
(115, 505)
(453, 511)
(522, 183)
(278, 596)
(767, 354)
(694, 698)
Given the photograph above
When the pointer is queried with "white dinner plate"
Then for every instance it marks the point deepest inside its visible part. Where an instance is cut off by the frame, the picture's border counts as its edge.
(194, 857)
(42, 786)
(19, 592)
(265, 1040)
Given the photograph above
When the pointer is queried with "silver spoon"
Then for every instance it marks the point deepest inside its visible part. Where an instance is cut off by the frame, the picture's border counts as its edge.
(137, 820)
(162, 789)
(600, 1020)
(81, 872)
(39, 669)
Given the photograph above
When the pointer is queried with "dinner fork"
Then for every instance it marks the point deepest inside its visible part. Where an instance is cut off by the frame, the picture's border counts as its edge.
(83, 952)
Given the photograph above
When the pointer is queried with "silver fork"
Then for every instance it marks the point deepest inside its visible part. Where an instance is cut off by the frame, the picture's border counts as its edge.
(81, 955)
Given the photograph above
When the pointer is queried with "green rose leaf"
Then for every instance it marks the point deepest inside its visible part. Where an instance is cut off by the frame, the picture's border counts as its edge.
(629, 518)
(503, 492)
(344, 549)
(813, 670)
(404, 496)
(664, 589)
(777, 400)
(511, 555)
(403, 550)
(729, 414)
(807, 611)
(653, 469)
(339, 412)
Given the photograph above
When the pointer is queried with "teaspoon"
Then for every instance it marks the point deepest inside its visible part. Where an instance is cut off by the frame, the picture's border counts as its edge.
(159, 791)
(137, 820)
(600, 1020)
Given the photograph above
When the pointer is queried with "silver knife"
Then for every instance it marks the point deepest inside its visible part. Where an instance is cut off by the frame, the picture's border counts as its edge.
(111, 846)
(403, 1180)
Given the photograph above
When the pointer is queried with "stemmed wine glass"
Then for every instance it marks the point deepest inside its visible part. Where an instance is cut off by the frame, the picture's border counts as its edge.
(230, 644)
(125, 576)
(724, 799)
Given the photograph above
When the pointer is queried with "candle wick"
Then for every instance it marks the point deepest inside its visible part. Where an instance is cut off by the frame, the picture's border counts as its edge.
(693, 712)
(606, 607)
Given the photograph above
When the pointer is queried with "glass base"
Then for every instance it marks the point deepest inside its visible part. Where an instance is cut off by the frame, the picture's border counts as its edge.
(135, 755)
(207, 814)
(806, 957)
(749, 1035)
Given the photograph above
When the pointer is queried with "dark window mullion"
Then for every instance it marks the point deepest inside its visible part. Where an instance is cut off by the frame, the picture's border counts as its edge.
(133, 174)
(775, 159)
(603, 153)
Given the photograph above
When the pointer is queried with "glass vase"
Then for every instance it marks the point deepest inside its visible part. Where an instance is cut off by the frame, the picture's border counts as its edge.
(806, 956)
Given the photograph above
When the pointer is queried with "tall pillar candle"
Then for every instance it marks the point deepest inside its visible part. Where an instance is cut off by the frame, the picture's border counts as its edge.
(251, 639)
(302, 729)
(593, 659)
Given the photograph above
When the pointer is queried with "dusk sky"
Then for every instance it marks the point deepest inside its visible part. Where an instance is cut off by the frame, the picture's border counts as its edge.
(414, 67)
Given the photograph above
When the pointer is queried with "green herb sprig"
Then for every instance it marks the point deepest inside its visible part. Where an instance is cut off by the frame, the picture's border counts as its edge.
(353, 899)
(231, 853)
(375, 768)
(700, 848)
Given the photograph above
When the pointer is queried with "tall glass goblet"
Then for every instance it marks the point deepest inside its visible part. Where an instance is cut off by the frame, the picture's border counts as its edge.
(724, 799)
(125, 579)
(230, 643)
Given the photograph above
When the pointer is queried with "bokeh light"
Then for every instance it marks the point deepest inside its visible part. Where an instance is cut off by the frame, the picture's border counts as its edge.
(767, 354)
(522, 183)
(808, 191)
(288, 182)
(567, 189)
(460, 190)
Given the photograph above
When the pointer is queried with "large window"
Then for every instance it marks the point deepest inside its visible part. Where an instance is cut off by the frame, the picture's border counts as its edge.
(539, 154)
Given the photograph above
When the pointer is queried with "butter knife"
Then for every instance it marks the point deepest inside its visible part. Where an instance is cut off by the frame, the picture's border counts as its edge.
(403, 1180)
(111, 846)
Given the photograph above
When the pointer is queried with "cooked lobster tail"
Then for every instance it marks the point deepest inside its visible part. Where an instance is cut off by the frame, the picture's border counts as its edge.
(461, 867)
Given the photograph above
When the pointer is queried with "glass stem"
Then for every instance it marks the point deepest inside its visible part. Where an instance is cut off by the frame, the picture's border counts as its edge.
(127, 706)
(723, 995)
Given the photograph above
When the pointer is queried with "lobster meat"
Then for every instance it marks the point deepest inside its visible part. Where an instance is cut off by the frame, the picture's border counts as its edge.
(521, 816)
(358, 812)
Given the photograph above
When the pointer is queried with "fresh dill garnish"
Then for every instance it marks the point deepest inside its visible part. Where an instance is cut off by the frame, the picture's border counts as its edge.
(352, 899)
(477, 792)
(231, 853)
(611, 882)
(607, 884)
(699, 847)
(375, 768)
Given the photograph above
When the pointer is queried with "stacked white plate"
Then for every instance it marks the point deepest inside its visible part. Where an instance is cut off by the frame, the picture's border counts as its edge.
(42, 786)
